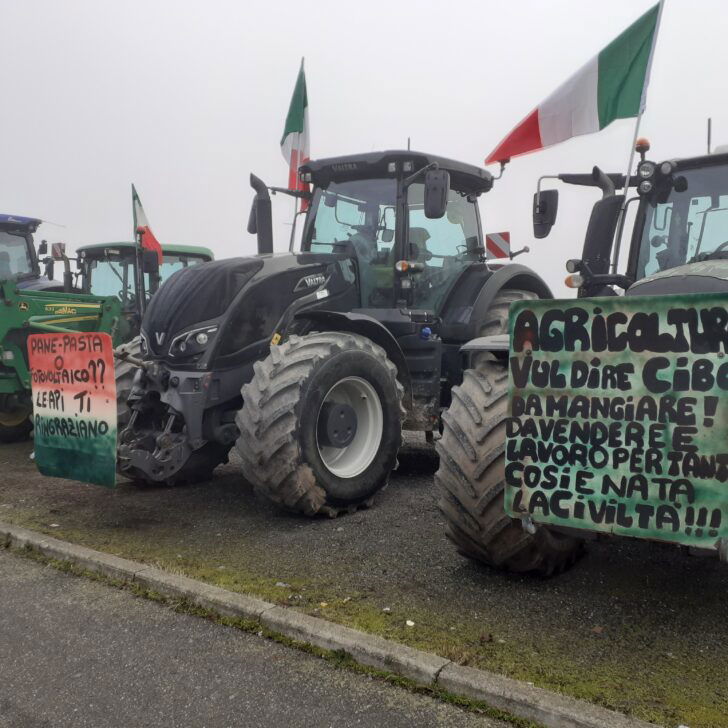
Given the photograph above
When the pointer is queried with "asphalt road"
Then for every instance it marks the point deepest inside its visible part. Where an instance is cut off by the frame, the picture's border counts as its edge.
(78, 653)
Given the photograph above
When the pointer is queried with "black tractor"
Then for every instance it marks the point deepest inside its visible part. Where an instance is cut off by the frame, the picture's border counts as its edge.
(311, 363)
(678, 246)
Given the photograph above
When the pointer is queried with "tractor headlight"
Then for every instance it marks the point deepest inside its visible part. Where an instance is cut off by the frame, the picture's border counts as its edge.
(192, 342)
(646, 170)
(666, 168)
(645, 187)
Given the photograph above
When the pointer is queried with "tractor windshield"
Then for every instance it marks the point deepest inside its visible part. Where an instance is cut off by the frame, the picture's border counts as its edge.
(686, 226)
(360, 213)
(15, 258)
(445, 246)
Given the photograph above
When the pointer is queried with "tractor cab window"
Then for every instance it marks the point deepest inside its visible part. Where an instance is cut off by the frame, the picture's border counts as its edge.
(171, 263)
(15, 260)
(445, 246)
(112, 275)
(688, 225)
(358, 215)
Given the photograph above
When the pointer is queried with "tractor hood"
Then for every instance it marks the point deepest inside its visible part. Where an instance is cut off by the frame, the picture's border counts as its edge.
(709, 276)
(217, 310)
(193, 295)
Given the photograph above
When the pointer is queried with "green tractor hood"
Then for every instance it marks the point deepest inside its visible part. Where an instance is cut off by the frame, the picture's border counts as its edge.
(28, 312)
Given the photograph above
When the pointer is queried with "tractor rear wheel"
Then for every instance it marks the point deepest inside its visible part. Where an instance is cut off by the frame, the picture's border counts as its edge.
(321, 423)
(471, 481)
(496, 318)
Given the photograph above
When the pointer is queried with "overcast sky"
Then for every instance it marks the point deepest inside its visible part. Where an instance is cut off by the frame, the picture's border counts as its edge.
(185, 99)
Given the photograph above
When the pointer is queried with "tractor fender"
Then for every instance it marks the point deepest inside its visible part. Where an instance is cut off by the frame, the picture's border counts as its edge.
(492, 344)
(358, 323)
(509, 276)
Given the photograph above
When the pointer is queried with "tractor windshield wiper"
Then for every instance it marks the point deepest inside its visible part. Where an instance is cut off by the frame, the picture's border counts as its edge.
(713, 255)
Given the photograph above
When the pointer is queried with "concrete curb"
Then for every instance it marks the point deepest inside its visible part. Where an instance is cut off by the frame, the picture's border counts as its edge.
(512, 696)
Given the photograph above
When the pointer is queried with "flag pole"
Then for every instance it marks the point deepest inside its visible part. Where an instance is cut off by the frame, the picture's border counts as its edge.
(299, 137)
(627, 176)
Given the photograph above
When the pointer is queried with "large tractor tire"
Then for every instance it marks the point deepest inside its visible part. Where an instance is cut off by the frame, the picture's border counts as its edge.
(124, 372)
(321, 423)
(16, 424)
(496, 318)
(471, 481)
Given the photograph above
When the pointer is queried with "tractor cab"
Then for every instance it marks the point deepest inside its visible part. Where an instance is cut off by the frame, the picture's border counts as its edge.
(679, 237)
(18, 257)
(410, 220)
(123, 270)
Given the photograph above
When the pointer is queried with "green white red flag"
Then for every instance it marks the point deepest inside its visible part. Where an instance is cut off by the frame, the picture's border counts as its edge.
(295, 142)
(612, 85)
(142, 228)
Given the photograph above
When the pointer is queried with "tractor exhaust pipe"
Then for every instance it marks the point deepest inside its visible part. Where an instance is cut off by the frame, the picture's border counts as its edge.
(260, 222)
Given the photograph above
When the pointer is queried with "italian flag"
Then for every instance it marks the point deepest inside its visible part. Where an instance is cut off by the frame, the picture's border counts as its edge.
(142, 228)
(613, 85)
(295, 140)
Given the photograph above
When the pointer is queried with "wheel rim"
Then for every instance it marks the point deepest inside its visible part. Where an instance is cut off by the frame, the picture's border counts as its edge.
(357, 456)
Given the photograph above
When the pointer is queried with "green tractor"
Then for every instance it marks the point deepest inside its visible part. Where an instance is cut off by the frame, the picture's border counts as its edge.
(311, 362)
(603, 415)
(35, 304)
(121, 275)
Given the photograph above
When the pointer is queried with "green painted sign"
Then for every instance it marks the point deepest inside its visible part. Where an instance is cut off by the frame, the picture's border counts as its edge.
(619, 416)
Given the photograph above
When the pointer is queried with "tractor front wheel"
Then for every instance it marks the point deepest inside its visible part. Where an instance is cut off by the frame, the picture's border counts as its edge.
(471, 481)
(321, 423)
(124, 372)
(16, 423)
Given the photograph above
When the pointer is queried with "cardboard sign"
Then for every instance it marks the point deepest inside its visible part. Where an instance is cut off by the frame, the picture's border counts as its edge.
(619, 416)
(74, 406)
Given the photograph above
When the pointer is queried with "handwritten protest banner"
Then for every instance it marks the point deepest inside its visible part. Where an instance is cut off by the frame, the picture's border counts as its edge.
(74, 406)
(618, 416)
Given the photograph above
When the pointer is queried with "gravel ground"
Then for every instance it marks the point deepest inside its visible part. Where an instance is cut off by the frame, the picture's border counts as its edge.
(634, 626)
(76, 653)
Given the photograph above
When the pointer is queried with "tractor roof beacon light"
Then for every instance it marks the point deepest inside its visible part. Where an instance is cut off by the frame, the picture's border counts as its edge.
(642, 146)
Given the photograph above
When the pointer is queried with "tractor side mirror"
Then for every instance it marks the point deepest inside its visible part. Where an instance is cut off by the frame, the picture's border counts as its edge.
(58, 251)
(545, 205)
(150, 263)
(43, 247)
(437, 185)
(252, 219)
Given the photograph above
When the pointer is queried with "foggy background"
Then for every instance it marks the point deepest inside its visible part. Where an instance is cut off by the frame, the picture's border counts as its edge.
(186, 98)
